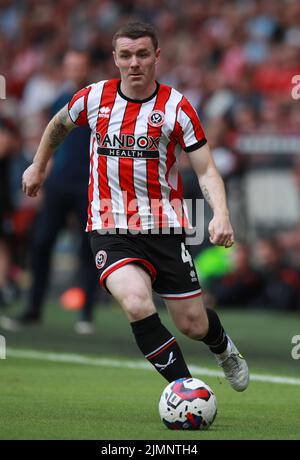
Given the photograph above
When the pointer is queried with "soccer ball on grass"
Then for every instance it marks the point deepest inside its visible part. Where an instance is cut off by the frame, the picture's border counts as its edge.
(187, 404)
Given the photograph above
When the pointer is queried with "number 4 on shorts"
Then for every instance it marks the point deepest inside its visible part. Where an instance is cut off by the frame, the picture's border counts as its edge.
(185, 255)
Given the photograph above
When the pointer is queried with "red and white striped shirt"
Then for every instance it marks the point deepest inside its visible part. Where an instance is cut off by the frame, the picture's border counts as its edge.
(135, 144)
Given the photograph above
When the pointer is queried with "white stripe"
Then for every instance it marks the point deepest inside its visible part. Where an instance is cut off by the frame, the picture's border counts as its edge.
(185, 294)
(159, 348)
(94, 102)
(114, 264)
(134, 364)
(140, 169)
(92, 158)
(185, 122)
(114, 127)
(95, 204)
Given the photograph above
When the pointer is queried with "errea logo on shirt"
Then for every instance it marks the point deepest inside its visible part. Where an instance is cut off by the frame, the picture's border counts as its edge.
(104, 112)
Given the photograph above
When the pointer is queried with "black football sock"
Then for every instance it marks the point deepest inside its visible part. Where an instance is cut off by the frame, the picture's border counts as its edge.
(216, 338)
(160, 348)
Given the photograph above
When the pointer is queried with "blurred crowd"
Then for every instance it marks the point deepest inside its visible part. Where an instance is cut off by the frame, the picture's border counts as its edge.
(258, 275)
(234, 60)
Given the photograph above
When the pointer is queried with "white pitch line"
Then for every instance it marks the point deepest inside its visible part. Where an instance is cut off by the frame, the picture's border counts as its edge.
(136, 364)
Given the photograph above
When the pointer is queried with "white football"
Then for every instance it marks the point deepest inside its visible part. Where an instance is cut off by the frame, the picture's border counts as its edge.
(188, 404)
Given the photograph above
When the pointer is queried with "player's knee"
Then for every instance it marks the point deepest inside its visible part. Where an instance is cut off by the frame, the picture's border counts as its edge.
(137, 305)
(194, 327)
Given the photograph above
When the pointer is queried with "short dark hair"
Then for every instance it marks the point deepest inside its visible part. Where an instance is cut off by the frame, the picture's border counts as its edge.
(136, 30)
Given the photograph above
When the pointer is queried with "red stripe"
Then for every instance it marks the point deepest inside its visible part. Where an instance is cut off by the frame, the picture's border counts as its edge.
(126, 176)
(160, 351)
(191, 418)
(177, 195)
(146, 263)
(107, 100)
(184, 393)
(153, 184)
(171, 150)
(91, 190)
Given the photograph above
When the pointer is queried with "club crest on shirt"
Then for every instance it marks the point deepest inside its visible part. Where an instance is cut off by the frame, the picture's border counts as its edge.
(100, 259)
(156, 118)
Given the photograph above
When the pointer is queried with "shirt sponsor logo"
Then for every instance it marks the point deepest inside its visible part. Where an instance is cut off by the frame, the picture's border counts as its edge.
(100, 259)
(127, 145)
(156, 118)
(128, 141)
(139, 154)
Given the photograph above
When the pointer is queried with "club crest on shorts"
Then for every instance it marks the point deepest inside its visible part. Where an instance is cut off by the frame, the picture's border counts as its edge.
(100, 259)
(156, 118)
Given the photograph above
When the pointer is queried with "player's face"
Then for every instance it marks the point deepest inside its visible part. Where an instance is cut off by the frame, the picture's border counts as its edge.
(136, 60)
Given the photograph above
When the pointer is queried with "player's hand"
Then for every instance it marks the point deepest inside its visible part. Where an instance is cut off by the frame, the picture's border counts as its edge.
(32, 180)
(220, 231)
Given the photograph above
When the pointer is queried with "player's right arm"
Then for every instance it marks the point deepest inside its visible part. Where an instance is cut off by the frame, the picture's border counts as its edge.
(56, 131)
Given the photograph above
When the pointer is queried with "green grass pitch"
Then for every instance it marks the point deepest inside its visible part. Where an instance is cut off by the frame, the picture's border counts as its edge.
(42, 399)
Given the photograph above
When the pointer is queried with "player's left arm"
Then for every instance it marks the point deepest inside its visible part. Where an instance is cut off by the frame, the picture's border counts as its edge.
(213, 189)
(56, 131)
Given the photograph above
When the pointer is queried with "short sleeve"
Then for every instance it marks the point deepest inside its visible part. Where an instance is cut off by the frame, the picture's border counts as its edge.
(78, 107)
(192, 135)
